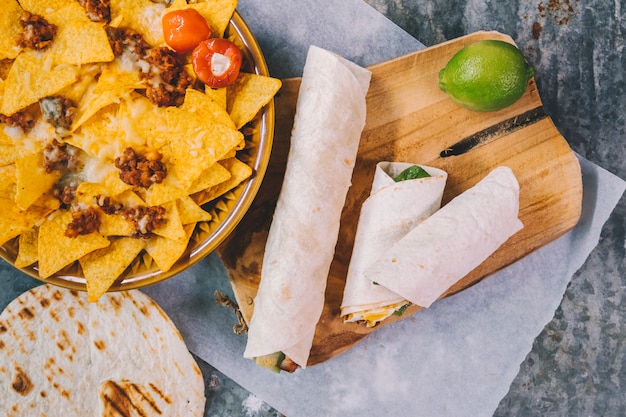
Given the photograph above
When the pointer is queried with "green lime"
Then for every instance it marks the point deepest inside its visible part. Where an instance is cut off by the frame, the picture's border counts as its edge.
(486, 76)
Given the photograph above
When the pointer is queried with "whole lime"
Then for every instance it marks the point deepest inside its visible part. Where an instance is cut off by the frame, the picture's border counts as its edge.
(486, 76)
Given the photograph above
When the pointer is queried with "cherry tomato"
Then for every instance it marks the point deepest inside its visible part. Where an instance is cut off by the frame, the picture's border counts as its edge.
(216, 62)
(184, 29)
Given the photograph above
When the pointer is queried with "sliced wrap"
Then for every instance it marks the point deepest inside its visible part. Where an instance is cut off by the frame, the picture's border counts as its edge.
(391, 211)
(330, 116)
(453, 241)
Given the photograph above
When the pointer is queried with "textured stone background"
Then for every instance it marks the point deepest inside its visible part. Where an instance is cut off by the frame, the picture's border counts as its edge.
(577, 366)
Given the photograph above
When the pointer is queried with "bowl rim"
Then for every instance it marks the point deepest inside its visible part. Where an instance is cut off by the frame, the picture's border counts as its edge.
(248, 191)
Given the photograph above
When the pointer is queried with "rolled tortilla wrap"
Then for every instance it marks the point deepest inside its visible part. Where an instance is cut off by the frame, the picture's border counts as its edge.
(453, 241)
(389, 213)
(330, 116)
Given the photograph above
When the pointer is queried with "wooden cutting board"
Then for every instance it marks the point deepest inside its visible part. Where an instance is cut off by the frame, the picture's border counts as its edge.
(409, 119)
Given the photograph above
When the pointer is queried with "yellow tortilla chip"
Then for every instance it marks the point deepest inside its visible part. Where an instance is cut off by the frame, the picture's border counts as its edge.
(56, 251)
(9, 28)
(190, 212)
(27, 253)
(198, 102)
(210, 177)
(165, 252)
(100, 136)
(114, 225)
(248, 94)
(92, 103)
(115, 77)
(159, 194)
(45, 7)
(7, 176)
(7, 154)
(195, 144)
(173, 228)
(32, 179)
(218, 95)
(86, 78)
(102, 267)
(140, 15)
(144, 125)
(239, 172)
(78, 40)
(30, 79)
(15, 221)
(216, 12)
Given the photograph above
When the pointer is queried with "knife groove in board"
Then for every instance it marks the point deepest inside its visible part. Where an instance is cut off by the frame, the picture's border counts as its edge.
(492, 132)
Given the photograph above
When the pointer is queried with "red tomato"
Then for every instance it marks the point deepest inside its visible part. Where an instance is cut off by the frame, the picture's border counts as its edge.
(216, 62)
(184, 29)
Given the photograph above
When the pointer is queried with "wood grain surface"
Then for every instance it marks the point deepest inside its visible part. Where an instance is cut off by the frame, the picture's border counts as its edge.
(409, 119)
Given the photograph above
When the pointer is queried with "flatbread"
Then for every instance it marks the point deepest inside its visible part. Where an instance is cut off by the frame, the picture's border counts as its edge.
(63, 356)
(453, 241)
(330, 116)
(390, 212)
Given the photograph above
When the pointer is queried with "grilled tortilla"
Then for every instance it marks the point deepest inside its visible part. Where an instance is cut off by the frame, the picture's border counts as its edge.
(122, 356)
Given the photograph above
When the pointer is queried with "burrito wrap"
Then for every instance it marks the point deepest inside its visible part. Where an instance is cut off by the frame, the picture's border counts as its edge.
(389, 213)
(453, 241)
(329, 119)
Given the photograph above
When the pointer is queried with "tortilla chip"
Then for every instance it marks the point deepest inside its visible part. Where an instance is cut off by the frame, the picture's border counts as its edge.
(165, 252)
(7, 154)
(216, 12)
(30, 79)
(195, 144)
(115, 225)
(173, 227)
(239, 172)
(248, 94)
(102, 267)
(145, 125)
(159, 194)
(78, 40)
(32, 179)
(206, 107)
(7, 176)
(210, 177)
(190, 212)
(115, 77)
(15, 221)
(45, 8)
(56, 251)
(27, 253)
(92, 103)
(9, 28)
(218, 95)
(140, 16)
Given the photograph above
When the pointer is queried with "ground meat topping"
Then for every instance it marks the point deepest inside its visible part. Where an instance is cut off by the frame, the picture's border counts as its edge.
(124, 40)
(58, 111)
(36, 33)
(22, 119)
(144, 219)
(65, 193)
(141, 171)
(108, 205)
(97, 10)
(61, 156)
(83, 222)
(166, 76)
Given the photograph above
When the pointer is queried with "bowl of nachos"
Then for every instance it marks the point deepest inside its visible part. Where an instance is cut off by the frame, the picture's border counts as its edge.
(119, 168)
